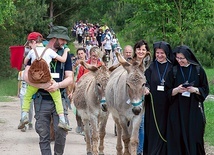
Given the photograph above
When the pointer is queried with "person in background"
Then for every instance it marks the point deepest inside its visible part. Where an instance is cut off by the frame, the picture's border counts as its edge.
(127, 54)
(99, 37)
(140, 50)
(22, 86)
(45, 109)
(93, 60)
(156, 119)
(94, 42)
(79, 32)
(81, 56)
(187, 88)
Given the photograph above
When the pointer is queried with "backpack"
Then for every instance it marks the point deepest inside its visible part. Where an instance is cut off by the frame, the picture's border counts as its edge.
(39, 71)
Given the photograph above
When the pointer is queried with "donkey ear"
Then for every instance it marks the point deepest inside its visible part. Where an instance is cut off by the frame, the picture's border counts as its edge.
(88, 66)
(147, 60)
(112, 68)
(122, 60)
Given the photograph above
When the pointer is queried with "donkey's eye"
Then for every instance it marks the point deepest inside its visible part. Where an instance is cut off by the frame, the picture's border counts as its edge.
(143, 84)
(99, 85)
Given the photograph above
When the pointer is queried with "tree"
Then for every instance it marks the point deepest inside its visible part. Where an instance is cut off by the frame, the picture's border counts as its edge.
(7, 10)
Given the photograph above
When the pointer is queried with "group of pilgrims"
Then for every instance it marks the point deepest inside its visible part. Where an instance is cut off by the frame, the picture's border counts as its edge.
(176, 87)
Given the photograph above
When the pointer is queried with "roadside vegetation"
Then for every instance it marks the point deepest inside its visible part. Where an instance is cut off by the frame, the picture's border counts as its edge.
(177, 22)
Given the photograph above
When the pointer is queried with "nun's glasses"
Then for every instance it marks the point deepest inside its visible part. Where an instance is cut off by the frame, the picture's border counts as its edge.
(179, 58)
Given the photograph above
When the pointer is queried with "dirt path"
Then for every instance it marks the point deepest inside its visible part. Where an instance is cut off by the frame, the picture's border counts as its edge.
(15, 142)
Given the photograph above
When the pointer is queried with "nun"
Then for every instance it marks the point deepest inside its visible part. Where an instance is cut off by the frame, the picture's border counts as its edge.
(187, 88)
(156, 111)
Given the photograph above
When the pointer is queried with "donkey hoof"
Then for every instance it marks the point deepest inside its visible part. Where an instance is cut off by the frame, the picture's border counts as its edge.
(89, 153)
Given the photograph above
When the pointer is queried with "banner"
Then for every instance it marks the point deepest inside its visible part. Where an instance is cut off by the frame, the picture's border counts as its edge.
(16, 56)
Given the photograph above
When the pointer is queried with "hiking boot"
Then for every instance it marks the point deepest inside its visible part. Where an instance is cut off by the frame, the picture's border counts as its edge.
(30, 126)
(23, 121)
(64, 126)
(78, 129)
(24, 129)
(82, 133)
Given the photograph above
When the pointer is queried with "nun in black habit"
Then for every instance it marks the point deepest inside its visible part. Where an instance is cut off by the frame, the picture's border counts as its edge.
(187, 87)
(156, 111)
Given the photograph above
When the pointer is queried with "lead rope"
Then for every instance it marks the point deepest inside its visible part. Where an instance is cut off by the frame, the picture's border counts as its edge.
(156, 124)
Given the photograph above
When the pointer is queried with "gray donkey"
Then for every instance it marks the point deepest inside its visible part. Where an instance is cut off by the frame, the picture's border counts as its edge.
(89, 99)
(125, 101)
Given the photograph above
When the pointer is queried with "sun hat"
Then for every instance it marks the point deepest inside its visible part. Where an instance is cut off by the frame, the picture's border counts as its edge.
(34, 36)
(59, 32)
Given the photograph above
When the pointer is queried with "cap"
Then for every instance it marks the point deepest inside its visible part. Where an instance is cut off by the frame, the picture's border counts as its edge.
(34, 36)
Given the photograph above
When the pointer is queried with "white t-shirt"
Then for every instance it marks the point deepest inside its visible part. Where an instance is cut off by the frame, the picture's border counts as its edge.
(48, 56)
(107, 44)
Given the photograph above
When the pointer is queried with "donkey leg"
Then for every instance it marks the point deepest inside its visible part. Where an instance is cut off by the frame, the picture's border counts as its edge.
(119, 146)
(102, 132)
(87, 135)
(95, 134)
(134, 134)
(125, 136)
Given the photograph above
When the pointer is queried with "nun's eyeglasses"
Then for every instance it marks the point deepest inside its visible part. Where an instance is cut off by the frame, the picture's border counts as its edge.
(179, 58)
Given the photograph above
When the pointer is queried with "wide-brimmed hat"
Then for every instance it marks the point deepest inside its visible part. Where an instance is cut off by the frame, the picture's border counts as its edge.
(59, 32)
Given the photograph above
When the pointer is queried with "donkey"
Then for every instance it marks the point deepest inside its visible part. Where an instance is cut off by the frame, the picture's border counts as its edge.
(125, 101)
(89, 99)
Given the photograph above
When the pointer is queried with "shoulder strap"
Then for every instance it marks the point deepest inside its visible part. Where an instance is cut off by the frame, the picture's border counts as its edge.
(198, 69)
(37, 56)
(174, 69)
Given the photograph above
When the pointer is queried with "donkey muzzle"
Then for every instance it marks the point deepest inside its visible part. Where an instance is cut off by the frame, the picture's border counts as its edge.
(136, 110)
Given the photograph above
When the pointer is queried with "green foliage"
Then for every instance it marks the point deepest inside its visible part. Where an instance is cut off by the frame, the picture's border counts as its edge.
(7, 10)
(210, 73)
(8, 86)
(177, 22)
(31, 16)
(5, 41)
(209, 112)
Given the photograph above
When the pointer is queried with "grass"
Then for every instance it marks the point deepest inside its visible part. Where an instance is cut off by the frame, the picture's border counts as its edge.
(210, 73)
(209, 112)
(8, 87)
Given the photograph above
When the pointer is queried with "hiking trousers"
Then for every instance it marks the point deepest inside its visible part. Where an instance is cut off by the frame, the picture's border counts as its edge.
(44, 110)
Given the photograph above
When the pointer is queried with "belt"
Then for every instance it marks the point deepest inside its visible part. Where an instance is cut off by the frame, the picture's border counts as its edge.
(46, 95)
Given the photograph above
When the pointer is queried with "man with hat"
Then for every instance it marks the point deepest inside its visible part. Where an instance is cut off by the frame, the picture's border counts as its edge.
(44, 105)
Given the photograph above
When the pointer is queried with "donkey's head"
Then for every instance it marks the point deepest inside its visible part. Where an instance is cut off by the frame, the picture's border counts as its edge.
(101, 75)
(135, 81)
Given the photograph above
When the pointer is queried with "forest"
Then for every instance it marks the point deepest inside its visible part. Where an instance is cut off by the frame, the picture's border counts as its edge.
(175, 21)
